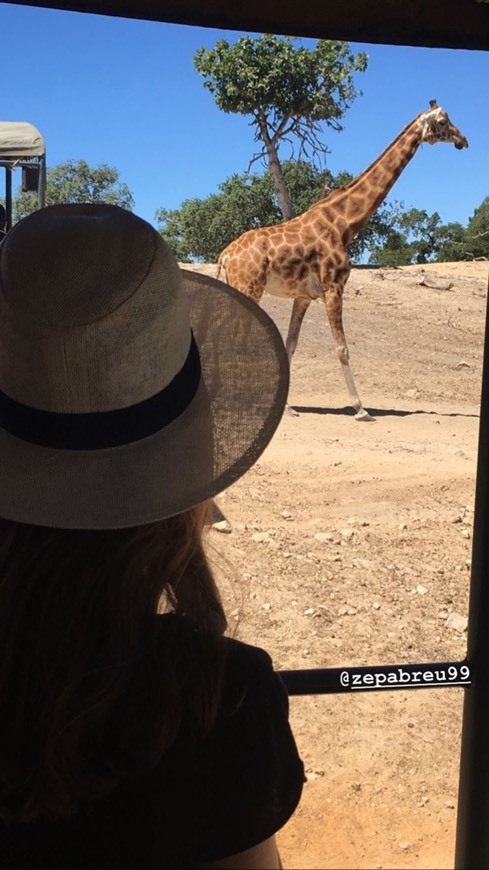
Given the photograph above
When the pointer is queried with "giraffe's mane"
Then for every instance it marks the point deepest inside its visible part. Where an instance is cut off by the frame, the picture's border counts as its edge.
(339, 191)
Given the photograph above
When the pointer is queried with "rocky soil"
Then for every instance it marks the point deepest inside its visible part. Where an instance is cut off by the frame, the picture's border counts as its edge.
(350, 544)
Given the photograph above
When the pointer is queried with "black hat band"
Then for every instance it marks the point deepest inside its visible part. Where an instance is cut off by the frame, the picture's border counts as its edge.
(96, 430)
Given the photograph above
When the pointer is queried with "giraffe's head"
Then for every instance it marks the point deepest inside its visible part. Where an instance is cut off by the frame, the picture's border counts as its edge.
(437, 127)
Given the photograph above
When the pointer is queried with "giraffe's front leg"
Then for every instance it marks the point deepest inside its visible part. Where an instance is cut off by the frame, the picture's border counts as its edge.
(333, 299)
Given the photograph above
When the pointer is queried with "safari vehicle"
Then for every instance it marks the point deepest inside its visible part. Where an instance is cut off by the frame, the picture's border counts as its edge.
(22, 147)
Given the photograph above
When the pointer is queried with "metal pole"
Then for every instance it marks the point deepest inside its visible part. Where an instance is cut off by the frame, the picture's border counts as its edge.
(41, 189)
(8, 196)
(376, 678)
(472, 842)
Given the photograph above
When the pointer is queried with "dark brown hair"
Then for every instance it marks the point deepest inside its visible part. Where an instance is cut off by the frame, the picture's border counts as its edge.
(89, 694)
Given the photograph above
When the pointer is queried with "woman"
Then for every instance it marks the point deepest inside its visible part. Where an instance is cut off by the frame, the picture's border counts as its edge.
(133, 733)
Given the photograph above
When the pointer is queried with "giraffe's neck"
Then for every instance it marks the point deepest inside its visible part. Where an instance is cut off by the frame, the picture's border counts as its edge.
(356, 203)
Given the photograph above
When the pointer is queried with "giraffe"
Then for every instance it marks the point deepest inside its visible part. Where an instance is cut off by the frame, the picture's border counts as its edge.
(306, 258)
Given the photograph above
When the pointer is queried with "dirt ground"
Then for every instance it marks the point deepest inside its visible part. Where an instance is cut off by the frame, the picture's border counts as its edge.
(351, 545)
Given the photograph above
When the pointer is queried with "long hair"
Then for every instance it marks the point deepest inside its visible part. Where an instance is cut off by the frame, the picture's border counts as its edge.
(89, 694)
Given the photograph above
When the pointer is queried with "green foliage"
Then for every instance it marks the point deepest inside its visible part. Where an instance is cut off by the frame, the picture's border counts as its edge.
(421, 228)
(394, 253)
(414, 238)
(451, 238)
(477, 240)
(76, 181)
(197, 229)
(417, 237)
(466, 243)
(269, 74)
(201, 228)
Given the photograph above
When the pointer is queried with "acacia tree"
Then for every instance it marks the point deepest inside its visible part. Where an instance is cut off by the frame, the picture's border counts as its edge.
(288, 91)
(77, 181)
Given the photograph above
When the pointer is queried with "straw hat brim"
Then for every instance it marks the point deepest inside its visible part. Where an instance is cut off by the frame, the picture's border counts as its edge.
(227, 426)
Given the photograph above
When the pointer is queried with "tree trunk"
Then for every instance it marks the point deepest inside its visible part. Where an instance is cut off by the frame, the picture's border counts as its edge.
(279, 182)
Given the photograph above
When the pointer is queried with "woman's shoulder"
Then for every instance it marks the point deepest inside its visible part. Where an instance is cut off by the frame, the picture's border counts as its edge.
(249, 678)
(252, 687)
(238, 653)
(245, 657)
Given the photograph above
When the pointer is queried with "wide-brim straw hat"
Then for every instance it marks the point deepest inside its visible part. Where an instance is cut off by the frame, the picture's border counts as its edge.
(130, 390)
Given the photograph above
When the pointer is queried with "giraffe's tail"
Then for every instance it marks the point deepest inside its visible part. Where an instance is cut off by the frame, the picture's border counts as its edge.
(221, 269)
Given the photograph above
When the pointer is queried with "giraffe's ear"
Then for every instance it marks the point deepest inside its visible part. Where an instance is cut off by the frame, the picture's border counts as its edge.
(433, 104)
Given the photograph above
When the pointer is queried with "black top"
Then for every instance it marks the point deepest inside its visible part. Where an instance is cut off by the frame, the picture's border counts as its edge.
(223, 796)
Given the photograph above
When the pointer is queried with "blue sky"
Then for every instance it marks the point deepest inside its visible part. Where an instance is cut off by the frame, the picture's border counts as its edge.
(124, 92)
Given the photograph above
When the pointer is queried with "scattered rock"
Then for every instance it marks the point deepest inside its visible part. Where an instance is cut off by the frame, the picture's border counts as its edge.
(313, 774)
(404, 845)
(323, 537)
(426, 281)
(456, 622)
(222, 526)
(261, 537)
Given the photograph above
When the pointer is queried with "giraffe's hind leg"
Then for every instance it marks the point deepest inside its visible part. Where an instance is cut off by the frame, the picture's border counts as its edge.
(334, 306)
(299, 309)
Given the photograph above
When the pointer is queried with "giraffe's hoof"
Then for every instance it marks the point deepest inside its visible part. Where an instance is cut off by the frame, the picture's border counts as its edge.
(291, 412)
(364, 416)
